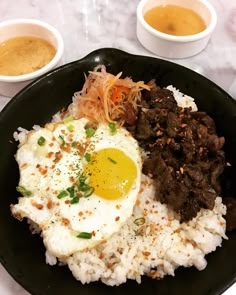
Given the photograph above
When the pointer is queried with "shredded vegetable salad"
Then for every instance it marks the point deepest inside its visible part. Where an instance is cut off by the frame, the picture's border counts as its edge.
(106, 97)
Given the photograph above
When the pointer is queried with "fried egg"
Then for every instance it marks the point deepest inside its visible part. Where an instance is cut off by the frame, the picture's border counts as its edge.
(79, 184)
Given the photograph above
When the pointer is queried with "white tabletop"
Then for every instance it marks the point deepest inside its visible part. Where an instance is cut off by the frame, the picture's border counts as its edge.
(87, 25)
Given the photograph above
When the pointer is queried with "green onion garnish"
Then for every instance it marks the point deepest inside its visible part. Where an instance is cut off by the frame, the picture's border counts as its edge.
(139, 221)
(84, 235)
(82, 178)
(83, 187)
(41, 140)
(112, 127)
(22, 190)
(75, 200)
(71, 127)
(73, 144)
(87, 157)
(111, 160)
(89, 132)
(68, 119)
(62, 140)
(71, 191)
(89, 192)
(62, 194)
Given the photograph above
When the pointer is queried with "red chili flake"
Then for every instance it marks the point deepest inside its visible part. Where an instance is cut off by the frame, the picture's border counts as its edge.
(101, 256)
(109, 265)
(66, 148)
(37, 205)
(51, 144)
(49, 155)
(50, 203)
(147, 202)
(146, 253)
(177, 231)
(138, 202)
(42, 170)
(58, 156)
(117, 218)
(72, 179)
(141, 190)
(80, 213)
(24, 165)
(65, 221)
(67, 202)
(93, 233)
(120, 251)
(118, 206)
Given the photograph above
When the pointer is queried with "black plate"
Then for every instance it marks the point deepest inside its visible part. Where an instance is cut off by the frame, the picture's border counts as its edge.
(22, 254)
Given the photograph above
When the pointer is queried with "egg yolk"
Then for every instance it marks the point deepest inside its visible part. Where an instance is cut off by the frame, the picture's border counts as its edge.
(111, 172)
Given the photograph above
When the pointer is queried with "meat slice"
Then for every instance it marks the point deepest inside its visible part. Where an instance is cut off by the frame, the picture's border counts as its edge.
(185, 153)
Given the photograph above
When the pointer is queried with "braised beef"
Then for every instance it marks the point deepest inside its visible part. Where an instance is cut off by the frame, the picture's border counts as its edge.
(185, 156)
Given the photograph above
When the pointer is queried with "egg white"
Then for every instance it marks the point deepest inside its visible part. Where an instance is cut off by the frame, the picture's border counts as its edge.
(46, 170)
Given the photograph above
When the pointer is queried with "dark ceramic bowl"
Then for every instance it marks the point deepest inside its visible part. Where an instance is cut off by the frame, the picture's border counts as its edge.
(22, 254)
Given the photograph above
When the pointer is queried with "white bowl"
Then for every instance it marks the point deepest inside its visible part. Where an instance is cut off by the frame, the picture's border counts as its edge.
(171, 46)
(10, 85)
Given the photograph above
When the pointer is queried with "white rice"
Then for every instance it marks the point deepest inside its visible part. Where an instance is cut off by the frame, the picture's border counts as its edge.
(183, 100)
(156, 248)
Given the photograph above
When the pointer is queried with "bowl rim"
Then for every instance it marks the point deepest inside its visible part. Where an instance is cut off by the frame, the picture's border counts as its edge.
(48, 66)
(173, 38)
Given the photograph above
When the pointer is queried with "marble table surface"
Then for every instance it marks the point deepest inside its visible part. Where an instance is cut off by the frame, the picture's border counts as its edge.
(87, 25)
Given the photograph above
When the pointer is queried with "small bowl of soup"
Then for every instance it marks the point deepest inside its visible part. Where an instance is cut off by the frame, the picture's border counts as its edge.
(175, 28)
(28, 49)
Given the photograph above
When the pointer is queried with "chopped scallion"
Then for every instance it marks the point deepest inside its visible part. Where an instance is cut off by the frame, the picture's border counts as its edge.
(71, 127)
(68, 119)
(84, 235)
(71, 191)
(22, 190)
(139, 221)
(83, 187)
(75, 200)
(111, 160)
(89, 132)
(112, 126)
(82, 178)
(63, 194)
(41, 140)
(62, 140)
(89, 192)
(87, 157)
